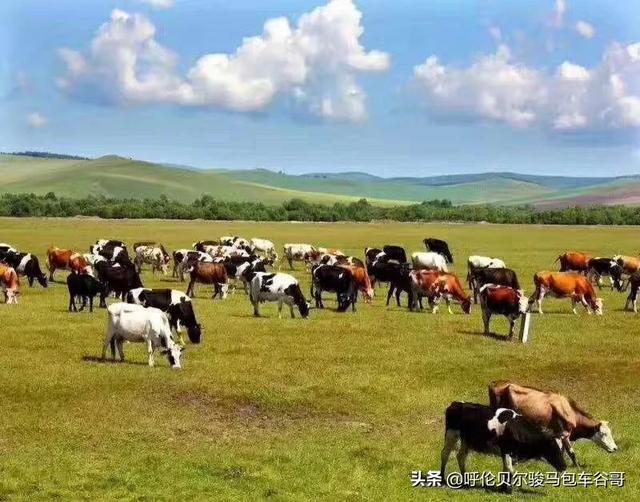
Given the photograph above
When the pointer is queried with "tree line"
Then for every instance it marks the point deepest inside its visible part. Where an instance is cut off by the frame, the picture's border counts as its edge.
(208, 208)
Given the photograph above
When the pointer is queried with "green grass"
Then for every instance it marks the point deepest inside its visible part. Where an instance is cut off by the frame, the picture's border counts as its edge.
(337, 407)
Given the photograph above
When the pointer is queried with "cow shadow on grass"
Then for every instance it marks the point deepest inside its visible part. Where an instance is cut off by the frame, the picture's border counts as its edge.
(495, 336)
(108, 360)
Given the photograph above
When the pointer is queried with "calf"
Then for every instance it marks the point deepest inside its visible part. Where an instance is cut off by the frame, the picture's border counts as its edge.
(281, 288)
(574, 261)
(26, 264)
(209, 273)
(335, 279)
(86, 287)
(566, 285)
(431, 260)
(9, 283)
(440, 247)
(605, 267)
(135, 323)
(634, 283)
(499, 276)
(503, 432)
(502, 300)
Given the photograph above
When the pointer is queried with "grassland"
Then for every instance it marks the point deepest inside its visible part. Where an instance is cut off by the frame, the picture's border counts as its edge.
(337, 407)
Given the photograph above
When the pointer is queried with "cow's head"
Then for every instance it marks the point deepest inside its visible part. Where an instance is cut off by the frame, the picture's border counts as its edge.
(466, 305)
(43, 280)
(369, 294)
(11, 296)
(174, 355)
(523, 302)
(604, 437)
(598, 306)
(304, 307)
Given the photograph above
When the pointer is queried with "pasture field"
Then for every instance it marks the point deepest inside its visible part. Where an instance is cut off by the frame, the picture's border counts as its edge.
(336, 407)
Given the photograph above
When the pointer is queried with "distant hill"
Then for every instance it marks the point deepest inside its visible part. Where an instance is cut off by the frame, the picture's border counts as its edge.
(120, 177)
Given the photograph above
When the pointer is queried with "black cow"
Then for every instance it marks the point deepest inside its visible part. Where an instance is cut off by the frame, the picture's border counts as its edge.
(605, 267)
(439, 246)
(634, 283)
(395, 253)
(176, 304)
(502, 432)
(26, 264)
(118, 279)
(86, 287)
(478, 277)
(396, 274)
(335, 279)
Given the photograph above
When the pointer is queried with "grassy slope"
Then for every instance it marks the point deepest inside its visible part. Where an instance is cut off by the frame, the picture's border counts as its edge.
(338, 407)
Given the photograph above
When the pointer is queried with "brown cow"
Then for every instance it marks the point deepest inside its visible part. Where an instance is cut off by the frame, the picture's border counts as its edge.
(362, 280)
(629, 264)
(504, 300)
(436, 285)
(9, 283)
(66, 259)
(555, 411)
(574, 261)
(209, 273)
(566, 285)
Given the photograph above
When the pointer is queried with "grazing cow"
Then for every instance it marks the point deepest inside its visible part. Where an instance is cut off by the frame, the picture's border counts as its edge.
(118, 279)
(499, 276)
(395, 253)
(183, 259)
(155, 255)
(66, 259)
(9, 283)
(394, 273)
(281, 288)
(86, 287)
(502, 300)
(209, 273)
(430, 260)
(634, 283)
(338, 280)
(572, 285)
(26, 264)
(175, 304)
(436, 285)
(499, 431)
(134, 323)
(264, 246)
(297, 252)
(629, 264)
(440, 247)
(361, 278)
(605, 267)
(554, 411)
(574, 261)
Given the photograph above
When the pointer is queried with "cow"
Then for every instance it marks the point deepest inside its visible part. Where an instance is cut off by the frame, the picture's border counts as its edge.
(555, 411)
(117, 278)
(361, 278)
(6, 248)
(436, 285)
(66, 259)
(243, 269)
(277, 287)
(296, 252)
(476, 262)
(100, 243)
(395, 253)
(177, 305)
(26, 264)
(499, 276)
(394, 273)
(629, 264)
(338, 280)
(499, 431)
(439, 246)
(200, 245)
(264, 246)
(502, 300)
(135, 323)
(184, 258)
(605, 267)
(572, 285)
(234, 240)
(209, 273)
(574, 261)
(430, 260)
(634, 284)
(371, 254)
(92, 259)
(113, 252)
(9, 283)
(155, 255)
(86, 287)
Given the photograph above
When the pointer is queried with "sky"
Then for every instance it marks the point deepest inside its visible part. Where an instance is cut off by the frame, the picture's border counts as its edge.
(392, 88)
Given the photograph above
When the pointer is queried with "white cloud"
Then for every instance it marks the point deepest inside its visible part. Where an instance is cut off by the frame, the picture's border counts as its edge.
(585, 29)
(159, 4)
(559, 10)
(314, 63)
(495, 33)
(496, 87)
(36, 120)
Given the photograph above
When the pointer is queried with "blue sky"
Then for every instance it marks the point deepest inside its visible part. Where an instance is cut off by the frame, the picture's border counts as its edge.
(391, 88)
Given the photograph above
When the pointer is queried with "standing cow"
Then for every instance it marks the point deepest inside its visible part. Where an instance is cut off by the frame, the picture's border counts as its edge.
(572, 285)
(209, 273)
(502, 300)
(574, 261)
(66, 259)
(281, 288)
(430, 260)
(28, 265)
(439, 246)
(335, 279)
(152, 254)
(297, 252)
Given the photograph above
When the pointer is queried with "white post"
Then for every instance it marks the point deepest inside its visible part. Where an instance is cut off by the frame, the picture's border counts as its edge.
(524, 327)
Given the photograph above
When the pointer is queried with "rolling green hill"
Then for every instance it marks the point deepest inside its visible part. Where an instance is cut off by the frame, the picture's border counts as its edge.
(119, 177)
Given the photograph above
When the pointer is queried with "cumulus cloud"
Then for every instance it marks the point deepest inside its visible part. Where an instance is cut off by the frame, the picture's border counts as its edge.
(585, 29)
(159, 4)
(313, 63)
(498, 88)
(36, 120)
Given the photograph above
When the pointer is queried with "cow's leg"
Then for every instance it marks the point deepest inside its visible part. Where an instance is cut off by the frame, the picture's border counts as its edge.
(72, 303)
(108, 340)
(119, 343)
(189, 291)
(512, 326)
(280, 302)
(290, 261)
(84, 303)
(450, 440)
(398, 293)
(52, 269)
(507, 466)
(461, 456)
(256, 310)
(539, 299)
(389, 294)
(448, 300)
(150, 352)
(486, 317)
(31, 278)
(90, 303)
(566, 444)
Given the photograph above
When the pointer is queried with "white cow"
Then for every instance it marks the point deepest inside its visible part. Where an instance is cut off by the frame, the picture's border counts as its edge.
(128, 322)
(297, 252)
(263, 246)
(430, 260)
(475, 262)
(281, 288)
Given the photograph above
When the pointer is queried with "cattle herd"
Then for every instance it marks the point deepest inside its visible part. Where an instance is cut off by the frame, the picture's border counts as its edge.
(519, 423)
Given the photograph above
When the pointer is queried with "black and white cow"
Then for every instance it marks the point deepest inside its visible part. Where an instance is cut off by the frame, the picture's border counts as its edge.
(113, 250)
(26, 264)
(85, 286)
(634, 284)
(605, 267)
(501, 432)
(439, 246)
(478, 277)
(177, 306)
(118, 279)
(6, 248)
(241, 269)
(335, 279)
(277, 287)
